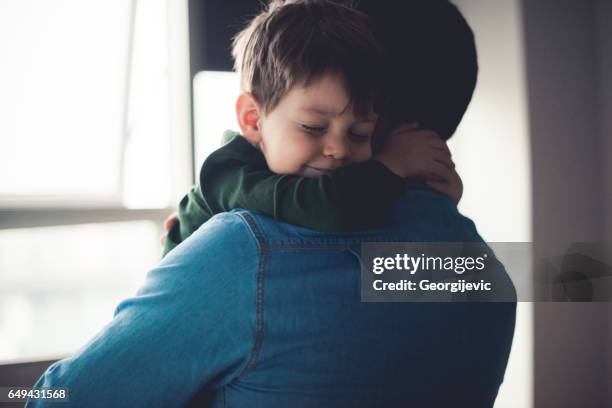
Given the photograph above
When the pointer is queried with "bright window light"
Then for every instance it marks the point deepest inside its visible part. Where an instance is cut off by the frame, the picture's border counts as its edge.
(214, 98)
(84, 122)
(60, 285)
(62, 78)
(147, 177)
(85, 103)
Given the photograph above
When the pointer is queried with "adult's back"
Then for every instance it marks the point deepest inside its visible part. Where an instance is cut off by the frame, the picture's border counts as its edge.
(265, 314)
(318, 345)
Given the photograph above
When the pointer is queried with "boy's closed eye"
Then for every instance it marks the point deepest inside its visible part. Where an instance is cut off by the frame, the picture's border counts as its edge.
(355, 136)
(313, 129)
(361, 132)
(359, 137)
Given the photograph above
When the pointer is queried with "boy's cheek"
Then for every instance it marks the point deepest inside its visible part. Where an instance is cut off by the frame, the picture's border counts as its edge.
(363, 154)
(283, 163)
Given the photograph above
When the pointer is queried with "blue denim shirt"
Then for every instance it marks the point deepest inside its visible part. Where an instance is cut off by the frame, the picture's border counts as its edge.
(266, 314)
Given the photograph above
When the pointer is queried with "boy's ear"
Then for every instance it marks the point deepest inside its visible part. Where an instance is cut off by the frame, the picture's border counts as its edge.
(248, 113)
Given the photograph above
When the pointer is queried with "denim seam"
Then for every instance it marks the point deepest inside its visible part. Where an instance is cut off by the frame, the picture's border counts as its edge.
(254, 229)
(264, 248)
(329, 245)
(259, 296)
(264, 244)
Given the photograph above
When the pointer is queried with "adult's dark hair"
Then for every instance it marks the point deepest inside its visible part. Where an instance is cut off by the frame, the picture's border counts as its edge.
(293, 42)
(432, 63)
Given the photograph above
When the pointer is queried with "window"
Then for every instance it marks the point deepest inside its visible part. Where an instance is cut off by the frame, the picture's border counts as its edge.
(63, 78)
(214, 98)
(94, 150)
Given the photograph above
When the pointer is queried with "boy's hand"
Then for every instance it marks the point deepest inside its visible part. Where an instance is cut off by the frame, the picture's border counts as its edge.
(168, 224)
(413, 152)
(452, 187)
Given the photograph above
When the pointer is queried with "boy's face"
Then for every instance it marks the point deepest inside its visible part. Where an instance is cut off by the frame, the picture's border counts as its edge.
(313, 130)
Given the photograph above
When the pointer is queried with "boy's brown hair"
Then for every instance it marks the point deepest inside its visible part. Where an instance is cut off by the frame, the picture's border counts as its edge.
(294, 42)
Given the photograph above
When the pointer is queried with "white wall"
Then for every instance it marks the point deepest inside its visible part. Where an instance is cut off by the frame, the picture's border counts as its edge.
(491, 150)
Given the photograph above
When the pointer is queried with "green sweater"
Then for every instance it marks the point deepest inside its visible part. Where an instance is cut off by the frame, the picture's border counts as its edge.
(350, 198)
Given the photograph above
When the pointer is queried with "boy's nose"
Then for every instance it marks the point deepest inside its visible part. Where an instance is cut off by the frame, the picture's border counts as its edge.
(337, 149)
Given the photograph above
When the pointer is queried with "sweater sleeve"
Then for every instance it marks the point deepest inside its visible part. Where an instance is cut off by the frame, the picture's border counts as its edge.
(192, 212)
(350, 198)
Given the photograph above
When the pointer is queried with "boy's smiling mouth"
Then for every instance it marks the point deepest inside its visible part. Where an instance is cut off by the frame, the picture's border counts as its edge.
(314, 171)
(322, 169)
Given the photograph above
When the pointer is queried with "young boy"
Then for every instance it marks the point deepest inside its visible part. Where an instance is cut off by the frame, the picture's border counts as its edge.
(310, 73)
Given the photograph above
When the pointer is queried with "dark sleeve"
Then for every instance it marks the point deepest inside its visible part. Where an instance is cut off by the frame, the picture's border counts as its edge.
(350, 198)
(192, 212)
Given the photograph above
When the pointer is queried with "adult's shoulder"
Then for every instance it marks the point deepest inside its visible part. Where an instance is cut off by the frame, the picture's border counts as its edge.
(433, 215)
(227, 238)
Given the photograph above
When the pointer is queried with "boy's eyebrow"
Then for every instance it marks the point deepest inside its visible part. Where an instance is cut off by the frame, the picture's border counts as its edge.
(325, 112)
(322, 111)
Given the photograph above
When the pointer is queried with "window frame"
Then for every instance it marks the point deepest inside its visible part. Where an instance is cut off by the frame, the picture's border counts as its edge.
(27, 211)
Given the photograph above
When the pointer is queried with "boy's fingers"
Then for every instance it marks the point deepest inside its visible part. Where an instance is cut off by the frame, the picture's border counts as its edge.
(440, 186)
(433, 177)
(436, 183)
(439, 144)
(444, 187)
(441, 170)
(449, 164)
(444, 158)
(168, 224)
(429, 139)
(170, 221)
(440, 157)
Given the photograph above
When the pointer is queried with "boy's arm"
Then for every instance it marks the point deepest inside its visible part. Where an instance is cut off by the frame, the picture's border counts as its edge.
(349, 198)
(192, 212)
